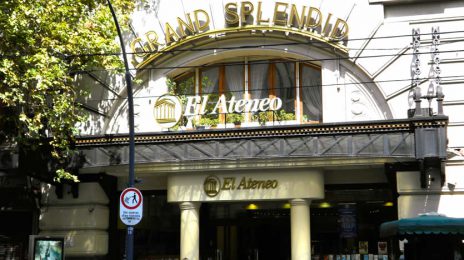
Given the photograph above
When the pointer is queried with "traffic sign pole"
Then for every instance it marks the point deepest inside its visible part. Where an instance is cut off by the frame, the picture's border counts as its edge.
(130, 101)
(130, 243)
(130, 213)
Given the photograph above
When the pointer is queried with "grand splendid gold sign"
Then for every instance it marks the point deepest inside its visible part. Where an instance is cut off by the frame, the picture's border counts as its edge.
(213, 185)
(305, 20)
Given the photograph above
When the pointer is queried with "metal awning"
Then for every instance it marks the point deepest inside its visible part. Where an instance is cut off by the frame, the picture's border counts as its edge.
(427, 224)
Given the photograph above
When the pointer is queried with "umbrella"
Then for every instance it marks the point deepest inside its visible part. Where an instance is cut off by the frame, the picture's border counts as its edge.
(426, 224)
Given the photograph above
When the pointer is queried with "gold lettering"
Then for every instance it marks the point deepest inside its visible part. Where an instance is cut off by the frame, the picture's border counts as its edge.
(254, 183)
(183, 26)
(250, 181)
(247, 184)
(278, 14)
(259, 19)
(261, 184)
(299, 19)
(244, 11)
(339, 32)
(205, 25)
(274, 184)
(323, 32)
(170, 34)
(152, 42)
(268, 184)
(228, 184)
(134, 49)
(242, 184)
(231, 13)
(317, 19)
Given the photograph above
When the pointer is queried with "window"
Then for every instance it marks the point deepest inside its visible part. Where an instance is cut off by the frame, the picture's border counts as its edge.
(234, 80)
(210, 81)
(274, 79)
(311, 92)
(284, 88)
(185, 85)
(261, 79)
(258, 82)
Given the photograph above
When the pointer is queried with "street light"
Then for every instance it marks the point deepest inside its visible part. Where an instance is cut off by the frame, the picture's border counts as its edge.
(130, 101)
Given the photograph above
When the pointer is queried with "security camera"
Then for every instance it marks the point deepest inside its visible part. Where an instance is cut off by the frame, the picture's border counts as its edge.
(451, 186)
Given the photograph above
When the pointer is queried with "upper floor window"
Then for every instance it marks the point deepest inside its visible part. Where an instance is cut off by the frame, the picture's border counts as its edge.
(250, 80)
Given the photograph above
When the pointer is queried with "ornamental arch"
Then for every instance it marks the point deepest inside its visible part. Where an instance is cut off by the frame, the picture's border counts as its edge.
(343, 84)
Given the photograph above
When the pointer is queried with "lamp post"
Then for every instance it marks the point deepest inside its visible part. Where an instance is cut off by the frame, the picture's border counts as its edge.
(130, 101)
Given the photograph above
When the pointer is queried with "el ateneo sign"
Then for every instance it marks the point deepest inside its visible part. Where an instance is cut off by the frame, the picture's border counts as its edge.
(242, 186)
(168, 109)
(260, 15)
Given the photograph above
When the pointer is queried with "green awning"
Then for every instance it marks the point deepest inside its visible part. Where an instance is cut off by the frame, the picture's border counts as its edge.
(423, 225)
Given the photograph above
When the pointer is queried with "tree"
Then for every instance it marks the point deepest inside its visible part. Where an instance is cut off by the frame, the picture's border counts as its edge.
(41, 43)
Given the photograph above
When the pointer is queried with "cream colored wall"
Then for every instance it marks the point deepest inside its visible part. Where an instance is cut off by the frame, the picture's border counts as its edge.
(83, 221)
(375, 57)
(400, 20)
(371, 26)
(447, 200)
(291, 184)
(360, 101)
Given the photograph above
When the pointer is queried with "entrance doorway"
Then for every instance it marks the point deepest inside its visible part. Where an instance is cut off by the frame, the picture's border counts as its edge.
(245, 231)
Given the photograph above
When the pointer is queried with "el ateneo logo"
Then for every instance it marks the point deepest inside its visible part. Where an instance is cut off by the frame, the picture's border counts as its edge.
(213, 185)
(168, 109)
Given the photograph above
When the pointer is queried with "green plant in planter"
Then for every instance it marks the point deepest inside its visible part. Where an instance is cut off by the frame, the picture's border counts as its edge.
(206, 121)
(262, 117)
(269, 116)
(282, 115)
(234, 118)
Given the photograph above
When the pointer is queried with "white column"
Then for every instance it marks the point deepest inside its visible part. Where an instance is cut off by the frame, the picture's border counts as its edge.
(189, 231)
(300, 229)
(298, 91)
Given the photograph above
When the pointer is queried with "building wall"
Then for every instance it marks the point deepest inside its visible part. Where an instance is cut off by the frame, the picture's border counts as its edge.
(374, 83)
(82, 221)
(400, 19)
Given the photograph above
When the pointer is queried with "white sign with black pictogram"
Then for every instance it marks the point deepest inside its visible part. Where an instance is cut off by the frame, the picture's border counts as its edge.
(131, 206)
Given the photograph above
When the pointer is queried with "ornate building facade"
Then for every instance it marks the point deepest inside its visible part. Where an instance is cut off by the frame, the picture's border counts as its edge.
(271, 130)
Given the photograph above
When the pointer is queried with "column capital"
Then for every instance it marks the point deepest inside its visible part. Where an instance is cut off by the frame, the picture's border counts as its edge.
(299, 202)
(189, 205)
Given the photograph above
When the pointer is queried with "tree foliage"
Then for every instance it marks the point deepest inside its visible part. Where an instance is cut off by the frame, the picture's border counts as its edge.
(41, 43)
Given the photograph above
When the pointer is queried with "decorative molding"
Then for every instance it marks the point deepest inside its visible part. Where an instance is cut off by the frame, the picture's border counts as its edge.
(234, 30)
(264, 132)
(299, 202)
(390, 62)
(437, 20)
(453, 103)
(386, 140)
(402, 90)
(189, 206)
(364, 45)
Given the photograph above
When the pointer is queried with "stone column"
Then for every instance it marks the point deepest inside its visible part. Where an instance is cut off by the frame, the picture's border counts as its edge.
(300, 229)
(189, 231)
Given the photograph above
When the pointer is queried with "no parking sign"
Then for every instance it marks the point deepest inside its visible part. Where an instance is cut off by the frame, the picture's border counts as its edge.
(131, 206)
